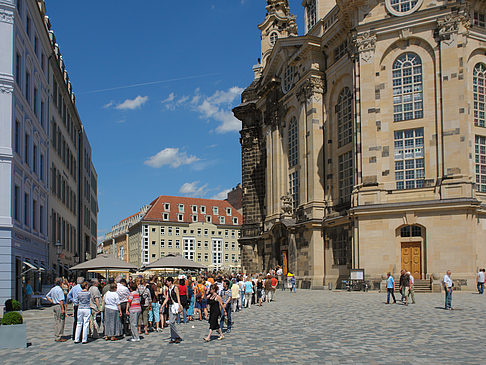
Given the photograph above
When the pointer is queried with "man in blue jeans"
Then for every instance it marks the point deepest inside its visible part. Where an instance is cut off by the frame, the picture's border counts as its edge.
(447, 282)
(480, 281)
(227, 306)
(390, 287)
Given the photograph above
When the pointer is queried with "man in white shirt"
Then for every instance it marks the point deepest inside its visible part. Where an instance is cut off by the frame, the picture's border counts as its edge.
(411, 291)
(480, 281)
(447, 282)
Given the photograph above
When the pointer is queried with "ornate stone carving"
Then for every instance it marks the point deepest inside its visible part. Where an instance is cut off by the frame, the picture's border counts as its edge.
(365, 46)
(404, 34)
(286, 204)
(6, 16)
(450, 26)
(311, 90)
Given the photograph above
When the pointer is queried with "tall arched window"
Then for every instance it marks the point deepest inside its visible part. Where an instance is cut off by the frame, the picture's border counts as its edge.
(293, 142)
(344, 113)
(479, 80)
(407, 88)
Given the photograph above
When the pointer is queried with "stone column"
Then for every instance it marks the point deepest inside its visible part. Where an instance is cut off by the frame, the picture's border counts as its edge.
(7, 261)
(452, 38)
(312, 174)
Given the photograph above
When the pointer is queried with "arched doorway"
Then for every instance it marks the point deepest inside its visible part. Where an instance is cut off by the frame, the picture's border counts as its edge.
(412, 249)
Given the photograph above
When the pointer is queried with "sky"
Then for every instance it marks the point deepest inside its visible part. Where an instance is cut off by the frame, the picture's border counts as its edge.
(155, 82)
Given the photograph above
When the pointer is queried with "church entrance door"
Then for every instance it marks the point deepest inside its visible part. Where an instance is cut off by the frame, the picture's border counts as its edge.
(412, 258)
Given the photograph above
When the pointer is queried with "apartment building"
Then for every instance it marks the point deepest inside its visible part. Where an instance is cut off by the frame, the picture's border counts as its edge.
(203, 230)
(40, 161)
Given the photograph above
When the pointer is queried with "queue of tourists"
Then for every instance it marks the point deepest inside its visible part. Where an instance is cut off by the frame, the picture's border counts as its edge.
(119, 308)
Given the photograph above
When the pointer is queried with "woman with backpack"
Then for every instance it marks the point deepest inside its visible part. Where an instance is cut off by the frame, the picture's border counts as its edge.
(154, 312)
(201, 299)
(145, 303)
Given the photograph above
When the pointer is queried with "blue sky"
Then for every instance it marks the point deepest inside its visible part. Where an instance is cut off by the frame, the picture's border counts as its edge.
(155, 82)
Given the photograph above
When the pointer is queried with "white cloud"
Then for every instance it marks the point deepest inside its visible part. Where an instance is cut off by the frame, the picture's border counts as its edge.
(170, 98)
(192, 189)
(109, 104)
(172, 157)
(132, 104)
(216, 107)
(222, 195)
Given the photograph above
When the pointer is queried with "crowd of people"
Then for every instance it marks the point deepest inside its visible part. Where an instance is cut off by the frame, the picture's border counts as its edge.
(118, 308)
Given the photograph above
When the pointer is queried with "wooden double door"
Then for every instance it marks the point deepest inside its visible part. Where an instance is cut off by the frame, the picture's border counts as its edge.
(412, 258)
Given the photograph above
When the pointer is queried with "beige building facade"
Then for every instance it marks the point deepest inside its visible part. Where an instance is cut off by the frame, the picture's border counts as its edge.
(364, 141)
(202, 230)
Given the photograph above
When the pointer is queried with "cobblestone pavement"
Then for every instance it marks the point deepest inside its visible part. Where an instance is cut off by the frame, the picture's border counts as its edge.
(318, 327)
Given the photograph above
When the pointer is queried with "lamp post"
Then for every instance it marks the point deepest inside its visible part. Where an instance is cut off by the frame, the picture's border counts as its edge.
(58, 245)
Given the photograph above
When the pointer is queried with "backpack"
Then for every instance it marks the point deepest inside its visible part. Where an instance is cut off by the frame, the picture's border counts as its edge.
(142, 298)
(152, 291)
(199, 295)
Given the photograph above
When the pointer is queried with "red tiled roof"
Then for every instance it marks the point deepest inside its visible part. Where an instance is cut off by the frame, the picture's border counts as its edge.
(133, 215)
(155, 213)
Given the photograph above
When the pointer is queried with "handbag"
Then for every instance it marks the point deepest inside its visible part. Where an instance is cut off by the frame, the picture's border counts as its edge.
(174, 308)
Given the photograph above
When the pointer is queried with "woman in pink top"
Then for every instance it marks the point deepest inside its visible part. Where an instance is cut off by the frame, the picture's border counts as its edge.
(133, 310)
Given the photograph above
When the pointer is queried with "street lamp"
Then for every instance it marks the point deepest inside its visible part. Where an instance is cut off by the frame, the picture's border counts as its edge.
(58, 246)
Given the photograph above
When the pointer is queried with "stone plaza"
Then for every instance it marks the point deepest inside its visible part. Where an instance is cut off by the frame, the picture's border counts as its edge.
(312, 327)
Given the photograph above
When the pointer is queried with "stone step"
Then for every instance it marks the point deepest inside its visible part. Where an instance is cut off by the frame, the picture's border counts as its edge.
(420, 286)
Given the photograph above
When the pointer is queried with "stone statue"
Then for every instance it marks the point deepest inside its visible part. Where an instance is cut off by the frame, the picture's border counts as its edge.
(287, 207)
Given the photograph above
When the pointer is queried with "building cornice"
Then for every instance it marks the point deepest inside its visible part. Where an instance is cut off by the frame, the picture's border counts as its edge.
(464, 203)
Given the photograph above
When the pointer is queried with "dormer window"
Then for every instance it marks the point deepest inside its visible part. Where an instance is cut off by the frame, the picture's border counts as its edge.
(180, 217)
(167, 207)
(194, 217)
(165, 216)
(215, 210)
(221, 220)
(203, 209)
(235, 220)
(208, 218)
(194, 208)
(181, 208)
(311, 11)
(228, 211)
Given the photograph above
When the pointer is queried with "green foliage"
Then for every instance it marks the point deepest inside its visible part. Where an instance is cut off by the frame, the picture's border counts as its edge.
(16, 305)
(12, 318)
(12, 305)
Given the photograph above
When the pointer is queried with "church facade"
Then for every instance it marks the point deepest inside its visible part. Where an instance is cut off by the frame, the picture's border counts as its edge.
(364, 141)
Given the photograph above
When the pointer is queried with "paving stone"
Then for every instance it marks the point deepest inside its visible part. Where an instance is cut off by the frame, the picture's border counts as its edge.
(313, 327)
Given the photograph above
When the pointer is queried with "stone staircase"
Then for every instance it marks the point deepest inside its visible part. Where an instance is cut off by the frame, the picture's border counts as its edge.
(420, 286)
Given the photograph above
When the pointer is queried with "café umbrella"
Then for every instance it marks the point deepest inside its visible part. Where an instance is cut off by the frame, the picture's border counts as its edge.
(105, 263)
(174, 262)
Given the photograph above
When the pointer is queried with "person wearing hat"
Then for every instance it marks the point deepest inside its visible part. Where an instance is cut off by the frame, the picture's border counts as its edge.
(291, 281)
